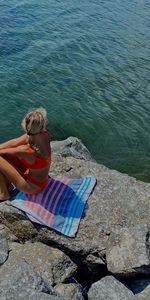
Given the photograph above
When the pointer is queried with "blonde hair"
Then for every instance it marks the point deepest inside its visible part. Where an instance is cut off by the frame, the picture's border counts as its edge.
(35, 121)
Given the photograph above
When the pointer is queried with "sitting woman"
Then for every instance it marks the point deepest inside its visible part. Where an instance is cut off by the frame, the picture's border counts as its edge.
(25, 161)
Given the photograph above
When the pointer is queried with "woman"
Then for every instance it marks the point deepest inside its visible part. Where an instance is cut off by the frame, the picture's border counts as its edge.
(25, 161)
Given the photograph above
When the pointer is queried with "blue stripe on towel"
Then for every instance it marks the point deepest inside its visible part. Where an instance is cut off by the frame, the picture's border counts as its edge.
(77, 196)
(21, 196)
(67, 200)
(81, 208)
(64, 227)
(58, 210)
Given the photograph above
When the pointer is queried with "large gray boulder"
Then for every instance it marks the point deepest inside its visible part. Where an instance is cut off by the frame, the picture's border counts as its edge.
(118, 203)
(24, 283)
(109, 288)
(50, 263)
(127, 251)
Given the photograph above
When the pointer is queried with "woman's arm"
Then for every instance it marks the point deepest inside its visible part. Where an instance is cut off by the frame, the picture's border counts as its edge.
(14, 142)
(16, 151)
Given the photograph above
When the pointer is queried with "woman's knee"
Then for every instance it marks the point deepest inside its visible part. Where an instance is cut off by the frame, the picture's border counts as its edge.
(25, 187)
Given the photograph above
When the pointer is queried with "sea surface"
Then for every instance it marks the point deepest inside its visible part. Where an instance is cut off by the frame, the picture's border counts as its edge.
(88, 63)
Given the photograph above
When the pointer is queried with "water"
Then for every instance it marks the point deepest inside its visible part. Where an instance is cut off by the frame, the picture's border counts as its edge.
(88, 63)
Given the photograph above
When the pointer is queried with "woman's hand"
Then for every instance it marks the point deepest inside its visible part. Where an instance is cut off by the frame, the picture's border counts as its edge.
(14, 142)
(16, 151)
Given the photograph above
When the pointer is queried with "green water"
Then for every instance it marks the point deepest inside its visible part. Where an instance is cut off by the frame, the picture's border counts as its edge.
(86, 62)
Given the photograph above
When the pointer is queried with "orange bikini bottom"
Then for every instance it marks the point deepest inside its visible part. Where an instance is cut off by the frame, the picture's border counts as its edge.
(40, 184)
(23, 171)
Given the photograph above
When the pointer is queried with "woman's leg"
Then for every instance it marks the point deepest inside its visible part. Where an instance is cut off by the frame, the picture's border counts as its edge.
(15, 162)
(14, 176)
(4, 184)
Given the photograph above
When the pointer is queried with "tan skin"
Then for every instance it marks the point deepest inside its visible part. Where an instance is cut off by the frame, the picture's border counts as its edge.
(16, 148)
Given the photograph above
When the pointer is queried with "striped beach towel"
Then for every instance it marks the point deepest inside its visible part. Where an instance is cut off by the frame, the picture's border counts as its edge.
(59, 205)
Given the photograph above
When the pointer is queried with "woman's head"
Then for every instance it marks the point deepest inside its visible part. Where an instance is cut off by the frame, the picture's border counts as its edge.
(35, 121)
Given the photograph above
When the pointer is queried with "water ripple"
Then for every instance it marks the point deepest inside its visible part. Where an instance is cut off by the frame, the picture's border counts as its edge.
(88, 64)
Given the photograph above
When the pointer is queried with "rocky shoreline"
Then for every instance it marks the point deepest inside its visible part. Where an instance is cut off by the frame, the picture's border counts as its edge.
(108, 259)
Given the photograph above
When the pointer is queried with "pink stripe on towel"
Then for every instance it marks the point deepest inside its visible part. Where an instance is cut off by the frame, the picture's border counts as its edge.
(59, 205)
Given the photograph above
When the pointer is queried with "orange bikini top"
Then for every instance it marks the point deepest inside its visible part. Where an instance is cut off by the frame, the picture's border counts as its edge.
(39, 162)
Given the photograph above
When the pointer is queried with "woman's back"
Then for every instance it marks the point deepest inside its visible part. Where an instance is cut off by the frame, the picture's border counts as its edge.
(38, 157)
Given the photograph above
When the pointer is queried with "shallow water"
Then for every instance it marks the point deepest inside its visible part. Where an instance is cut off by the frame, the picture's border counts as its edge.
(86, 62)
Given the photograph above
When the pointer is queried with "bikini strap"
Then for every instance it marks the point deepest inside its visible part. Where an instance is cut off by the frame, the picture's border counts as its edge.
(30, 150)
(45, 131)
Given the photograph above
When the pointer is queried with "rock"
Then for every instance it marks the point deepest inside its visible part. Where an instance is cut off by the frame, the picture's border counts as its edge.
(9, 235)
(24, 283)
(16, 221)
(126, 251)
(30, 295)
(22, 294)
(70, 291)
(109, 288)
(72, 146)
(118, 202)
(93, 262)
(144, 295)
(3, 247)
(52, 264)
